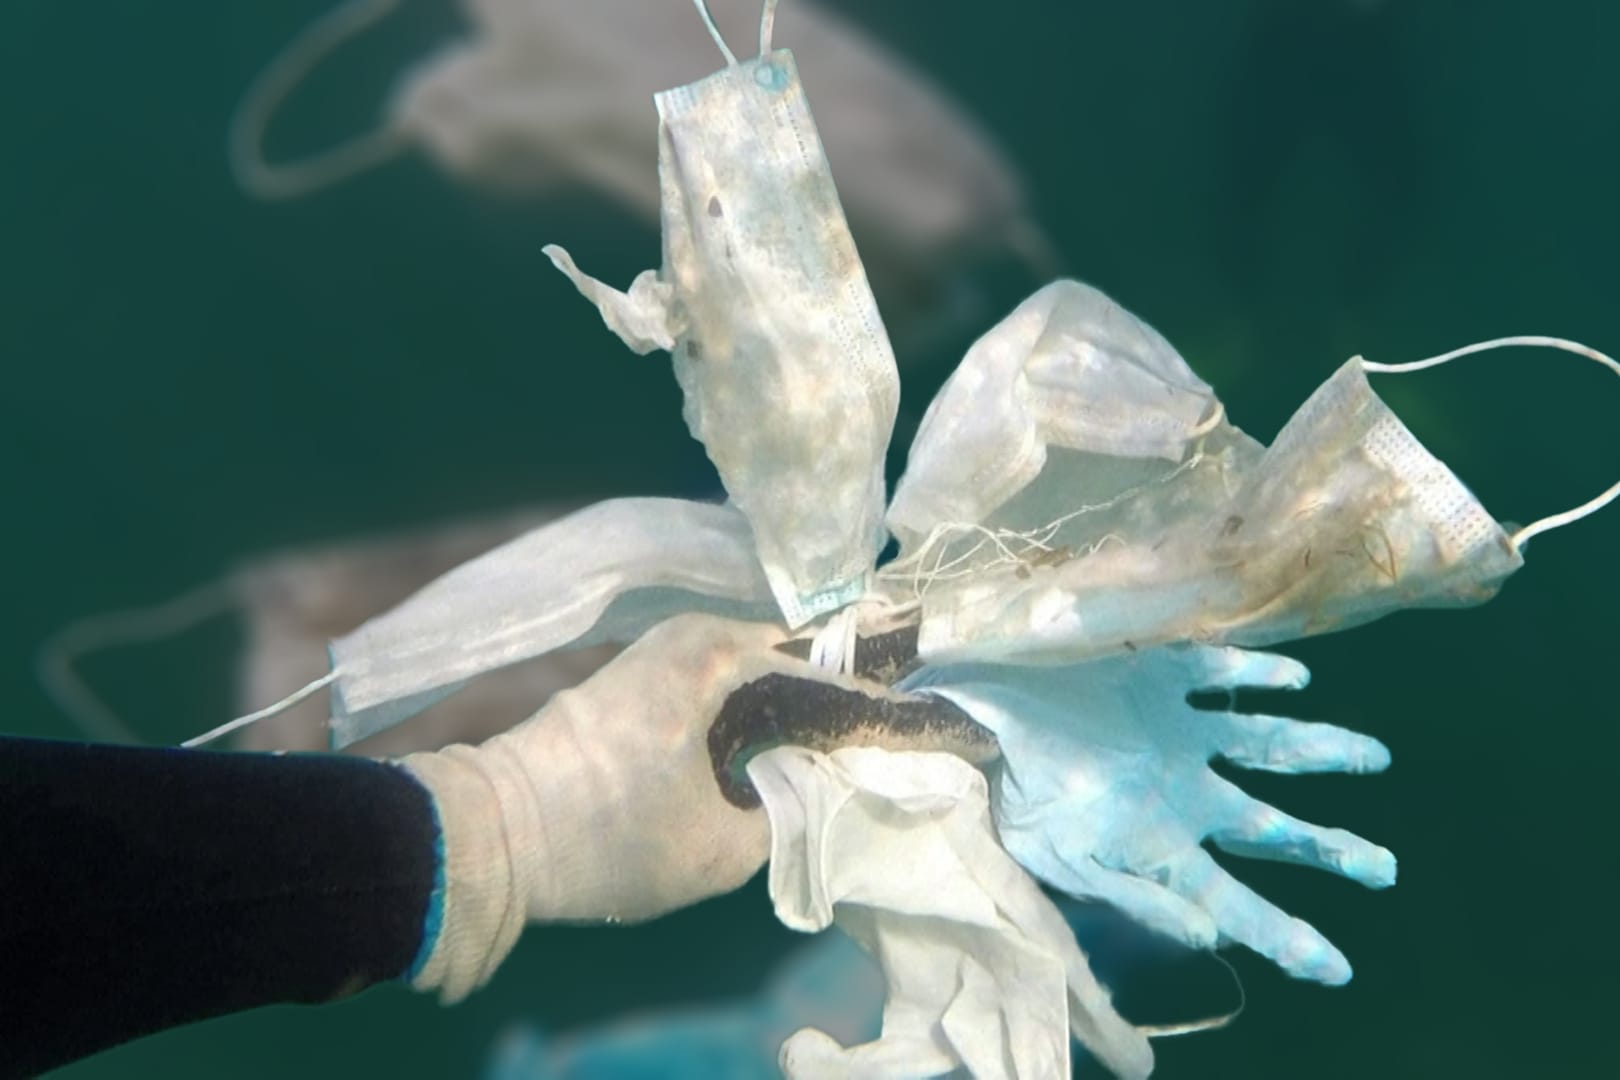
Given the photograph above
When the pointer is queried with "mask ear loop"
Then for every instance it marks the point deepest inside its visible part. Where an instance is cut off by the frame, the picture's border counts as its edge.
(714, 32)
(1552, 521)
(767, 23)
(67, 688)
(263, 714)
(1211, 1023)
(270, 89)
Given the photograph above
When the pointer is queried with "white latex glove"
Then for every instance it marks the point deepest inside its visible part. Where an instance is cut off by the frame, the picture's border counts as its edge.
(605, 804)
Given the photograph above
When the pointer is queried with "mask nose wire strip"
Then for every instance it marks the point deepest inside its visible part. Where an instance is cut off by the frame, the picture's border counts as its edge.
(714, 32)
(253, 717)
(267, 92)
(1551, 521)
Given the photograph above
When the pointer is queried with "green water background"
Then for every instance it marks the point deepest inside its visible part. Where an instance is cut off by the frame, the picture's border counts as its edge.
(192, 377)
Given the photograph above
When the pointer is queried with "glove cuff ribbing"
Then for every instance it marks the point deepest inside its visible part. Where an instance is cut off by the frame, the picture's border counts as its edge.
(477, 910)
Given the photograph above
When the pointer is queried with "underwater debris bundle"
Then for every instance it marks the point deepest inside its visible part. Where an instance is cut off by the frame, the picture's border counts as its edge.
(1085, 539)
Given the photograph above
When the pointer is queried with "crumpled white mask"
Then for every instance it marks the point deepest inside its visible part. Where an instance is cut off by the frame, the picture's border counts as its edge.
(294, 602)
(1067, 370)
(1345, 518)
(604, 574)
(983, 972)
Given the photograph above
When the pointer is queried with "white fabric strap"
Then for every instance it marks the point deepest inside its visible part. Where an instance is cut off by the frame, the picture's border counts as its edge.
(833, 646)
(1551, 521)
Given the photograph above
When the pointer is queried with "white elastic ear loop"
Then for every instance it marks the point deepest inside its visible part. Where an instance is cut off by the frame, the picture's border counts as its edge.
(1212, 1023)
(61, 681)
(263, 714)
(1552, 521)
(833, 646)
(714, 32)
(767, 23)
(270, 89)
(1211, 422)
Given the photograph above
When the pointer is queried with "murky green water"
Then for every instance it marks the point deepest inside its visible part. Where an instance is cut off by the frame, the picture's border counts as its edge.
(192, 377)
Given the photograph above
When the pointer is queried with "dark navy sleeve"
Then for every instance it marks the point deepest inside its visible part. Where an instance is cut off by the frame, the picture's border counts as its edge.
(145, 888)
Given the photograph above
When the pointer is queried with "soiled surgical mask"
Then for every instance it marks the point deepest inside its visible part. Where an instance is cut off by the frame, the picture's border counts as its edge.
(789, 380)
(1345, 518)
(1068, 379)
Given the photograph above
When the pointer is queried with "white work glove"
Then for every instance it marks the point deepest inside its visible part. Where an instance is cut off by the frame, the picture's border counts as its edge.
(605, 804)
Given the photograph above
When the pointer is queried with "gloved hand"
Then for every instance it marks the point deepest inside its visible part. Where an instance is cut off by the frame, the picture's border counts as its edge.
(606, 805)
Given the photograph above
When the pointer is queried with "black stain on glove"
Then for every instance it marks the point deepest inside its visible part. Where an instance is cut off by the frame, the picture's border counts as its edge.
(785, 710)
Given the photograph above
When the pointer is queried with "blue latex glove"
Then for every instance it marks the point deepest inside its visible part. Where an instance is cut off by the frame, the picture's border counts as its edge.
(1104, 790)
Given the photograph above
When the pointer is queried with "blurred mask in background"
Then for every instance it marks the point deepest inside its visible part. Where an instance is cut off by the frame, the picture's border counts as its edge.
(546, 96)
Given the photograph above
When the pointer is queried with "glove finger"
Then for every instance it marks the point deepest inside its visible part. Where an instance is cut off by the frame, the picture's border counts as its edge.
(1247, 918)
(1146, 902)
(1278, 744)
(1229, 668)
(1255, 830)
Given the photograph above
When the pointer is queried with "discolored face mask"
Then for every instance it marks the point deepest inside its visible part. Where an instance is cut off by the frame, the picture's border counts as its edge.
(1345, 518)
(1070, 392)
(777, 340)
